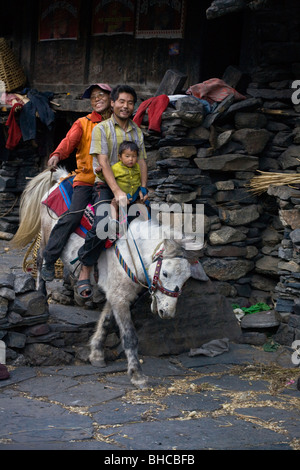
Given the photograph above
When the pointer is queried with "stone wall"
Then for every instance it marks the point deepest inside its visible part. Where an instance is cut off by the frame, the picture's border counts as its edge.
(16, 166)
(252, 242)
(251, 254)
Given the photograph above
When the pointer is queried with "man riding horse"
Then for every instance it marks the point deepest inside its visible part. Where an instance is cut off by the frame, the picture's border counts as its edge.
(78, 137)
(106, 138)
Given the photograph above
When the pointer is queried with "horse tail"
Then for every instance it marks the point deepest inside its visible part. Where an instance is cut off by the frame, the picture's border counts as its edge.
(30, 217)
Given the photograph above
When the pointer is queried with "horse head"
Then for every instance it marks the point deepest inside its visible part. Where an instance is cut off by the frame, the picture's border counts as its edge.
(171, 268)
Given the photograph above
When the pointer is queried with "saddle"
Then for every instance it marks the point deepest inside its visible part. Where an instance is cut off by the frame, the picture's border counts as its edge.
(59, 202)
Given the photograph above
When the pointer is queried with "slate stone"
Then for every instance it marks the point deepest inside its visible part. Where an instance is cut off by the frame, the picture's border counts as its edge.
(7, 280)
(118, 412)
(178, 151)
(3, 307)
(260, 320)
(34, 302)
(210, 432)
(14, 318)
(289, 158)
(43, 354)
(267, 265)
(250, 120)
(198, 304)
(7, 293)
(228, 162)
(218, 111)
(254, 140)
(23, 283)
(44, 423)
(15, 340)
(225, 251)
(227, 269)
(240, 216)
(270, 94)
(226, 235)
(172, 83)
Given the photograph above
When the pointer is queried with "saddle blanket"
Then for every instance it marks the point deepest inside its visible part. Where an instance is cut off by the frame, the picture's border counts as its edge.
(59, 202)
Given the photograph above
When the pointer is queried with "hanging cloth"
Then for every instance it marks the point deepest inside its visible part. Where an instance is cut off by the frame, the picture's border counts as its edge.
(14, 131)
(156, 106)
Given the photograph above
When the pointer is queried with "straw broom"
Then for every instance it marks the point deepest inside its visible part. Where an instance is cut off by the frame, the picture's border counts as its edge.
(260, 184)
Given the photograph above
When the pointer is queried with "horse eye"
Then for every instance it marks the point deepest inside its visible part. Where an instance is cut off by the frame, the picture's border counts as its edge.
(176, 289)
(165, 274)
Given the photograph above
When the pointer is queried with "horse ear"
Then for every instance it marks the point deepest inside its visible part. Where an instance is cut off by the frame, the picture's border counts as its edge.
(172, 247)
(197, 271)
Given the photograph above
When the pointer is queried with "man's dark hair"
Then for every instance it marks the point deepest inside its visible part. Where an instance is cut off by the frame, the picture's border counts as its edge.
(123, 89)
(128, 145)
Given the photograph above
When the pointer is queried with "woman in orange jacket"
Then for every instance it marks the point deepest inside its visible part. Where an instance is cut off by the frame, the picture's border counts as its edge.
(78, 137)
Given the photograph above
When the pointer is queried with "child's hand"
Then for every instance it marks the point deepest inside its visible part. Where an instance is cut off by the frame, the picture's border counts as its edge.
(143, 194)
(98, 169)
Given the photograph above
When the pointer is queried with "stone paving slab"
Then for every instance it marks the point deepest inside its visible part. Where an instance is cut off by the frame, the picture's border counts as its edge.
(190, 404)
(206, 434)
(26, 420)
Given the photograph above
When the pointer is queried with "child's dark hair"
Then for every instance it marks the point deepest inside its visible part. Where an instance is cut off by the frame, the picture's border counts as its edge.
(128, 145)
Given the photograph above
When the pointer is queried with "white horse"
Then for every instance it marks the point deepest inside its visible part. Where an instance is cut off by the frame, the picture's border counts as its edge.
(141, 258)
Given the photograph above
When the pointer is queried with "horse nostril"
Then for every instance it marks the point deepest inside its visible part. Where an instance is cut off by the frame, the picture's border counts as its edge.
(161, 312)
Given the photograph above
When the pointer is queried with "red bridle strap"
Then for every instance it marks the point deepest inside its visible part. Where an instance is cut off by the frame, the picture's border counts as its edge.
(156, 283)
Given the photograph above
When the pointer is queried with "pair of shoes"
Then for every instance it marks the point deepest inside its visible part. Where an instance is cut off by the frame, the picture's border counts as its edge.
(84, 286)
(4, 374)
(48, 272)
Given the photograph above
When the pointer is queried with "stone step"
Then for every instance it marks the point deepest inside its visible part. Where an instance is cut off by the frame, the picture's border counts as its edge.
(260, 320)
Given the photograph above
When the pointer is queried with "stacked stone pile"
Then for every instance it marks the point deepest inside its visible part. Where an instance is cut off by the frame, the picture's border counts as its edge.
(37, 333)
(21, 309)
(34, 336)
(287, 291)
(210, 159)
(23, 163)
(252, 241)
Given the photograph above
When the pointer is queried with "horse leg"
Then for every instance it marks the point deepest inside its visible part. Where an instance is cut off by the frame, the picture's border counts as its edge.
(40, 283)
(130, 344)
(96, 356)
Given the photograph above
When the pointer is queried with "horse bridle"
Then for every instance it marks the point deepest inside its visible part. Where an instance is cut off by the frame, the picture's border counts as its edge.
(156, 282)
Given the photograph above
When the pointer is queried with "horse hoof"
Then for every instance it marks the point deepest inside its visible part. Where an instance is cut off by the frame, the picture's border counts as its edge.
(139, 381)
(98, 363)
(97, 360)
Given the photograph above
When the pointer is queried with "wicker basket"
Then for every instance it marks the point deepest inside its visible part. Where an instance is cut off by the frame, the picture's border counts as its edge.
(29, 263)
(11, 73)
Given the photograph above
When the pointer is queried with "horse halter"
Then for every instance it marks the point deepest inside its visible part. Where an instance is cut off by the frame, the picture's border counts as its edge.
(156, 282)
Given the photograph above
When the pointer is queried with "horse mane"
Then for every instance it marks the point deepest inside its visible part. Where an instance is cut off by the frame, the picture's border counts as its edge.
(170, 238)
(29, 212)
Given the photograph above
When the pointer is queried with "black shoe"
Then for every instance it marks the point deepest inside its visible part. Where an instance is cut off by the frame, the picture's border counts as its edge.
(48, 272)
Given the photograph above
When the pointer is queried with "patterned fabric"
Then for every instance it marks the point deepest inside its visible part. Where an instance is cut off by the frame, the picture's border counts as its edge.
(213, 90)
(108, 135)
(59, 202)
(124, 265)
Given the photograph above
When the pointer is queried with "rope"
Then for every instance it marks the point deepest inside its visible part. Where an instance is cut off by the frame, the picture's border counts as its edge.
(143, 266)
(125, 266)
